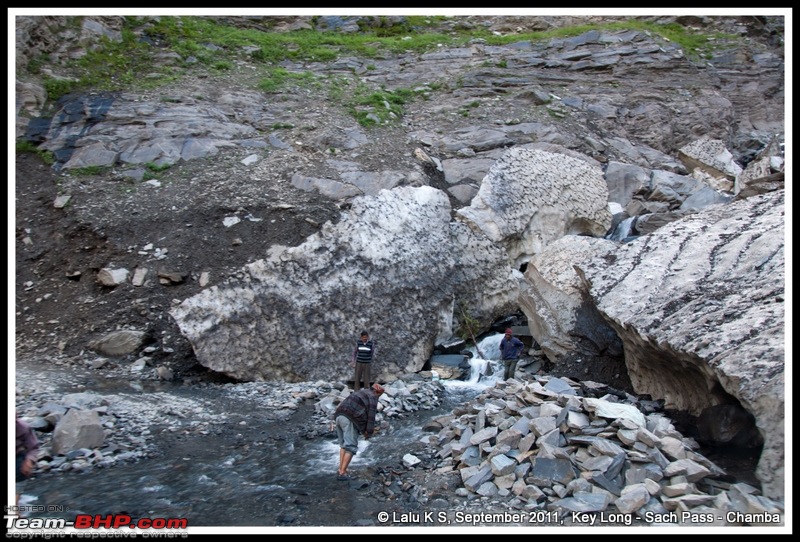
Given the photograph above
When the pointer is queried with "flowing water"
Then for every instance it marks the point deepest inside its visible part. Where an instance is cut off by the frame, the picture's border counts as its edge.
(213, 480)
(623, 230)
(217, 480)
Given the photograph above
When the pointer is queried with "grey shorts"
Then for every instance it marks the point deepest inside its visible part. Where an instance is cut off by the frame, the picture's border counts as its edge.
(347, 433)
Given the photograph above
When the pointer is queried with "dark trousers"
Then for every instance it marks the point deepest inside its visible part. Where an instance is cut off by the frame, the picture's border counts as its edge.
(362, 373)
(510, 368)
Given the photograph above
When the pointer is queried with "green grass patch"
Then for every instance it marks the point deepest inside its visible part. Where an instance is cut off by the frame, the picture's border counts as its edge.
(276, 79)
(57, 88)
(25, 146)
(152, 166)
(90, 170)
(222, 65)
(133, 61)
(694, 44)
(379, 107)
(35, 64)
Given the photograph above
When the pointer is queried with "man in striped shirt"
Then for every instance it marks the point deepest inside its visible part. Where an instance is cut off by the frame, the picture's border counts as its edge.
(354, 415)
(362, 359)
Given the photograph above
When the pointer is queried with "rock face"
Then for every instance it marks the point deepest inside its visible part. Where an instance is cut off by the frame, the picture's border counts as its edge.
(395, 266)
(700, 307)
(511, 160)
(712, 158)
(131, 143)
(399, 246)
(531, 198)
(561, 314)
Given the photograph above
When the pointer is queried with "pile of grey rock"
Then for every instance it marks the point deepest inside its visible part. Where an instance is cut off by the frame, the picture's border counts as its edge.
(564, 447)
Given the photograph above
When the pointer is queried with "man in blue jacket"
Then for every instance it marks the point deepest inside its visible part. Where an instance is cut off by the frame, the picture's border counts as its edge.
(510, 347)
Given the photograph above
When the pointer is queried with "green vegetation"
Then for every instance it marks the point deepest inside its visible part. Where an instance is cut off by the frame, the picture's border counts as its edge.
(35, 64)
(197, 42)
(23, 146)
(379, 107)
(222, 65)
(56, 88)
(151, 166)
(277, 78)
(338, 88)
(468, 327)
(694, 44)
(112, 65)
(90, 170)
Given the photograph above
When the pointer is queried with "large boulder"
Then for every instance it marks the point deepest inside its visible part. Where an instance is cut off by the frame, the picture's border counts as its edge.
(562, 316)
(532, 197)
(700, 307)
(78, 429)
(395, 265)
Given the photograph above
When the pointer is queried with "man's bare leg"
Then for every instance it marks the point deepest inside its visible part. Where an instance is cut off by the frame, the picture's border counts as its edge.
(344, 461)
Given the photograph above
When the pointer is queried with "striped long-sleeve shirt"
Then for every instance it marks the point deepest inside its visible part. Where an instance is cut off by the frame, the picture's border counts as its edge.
(364, 351)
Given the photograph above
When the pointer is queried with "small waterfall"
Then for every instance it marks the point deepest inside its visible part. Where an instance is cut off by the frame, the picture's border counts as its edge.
(623, 229)
(484, 371)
